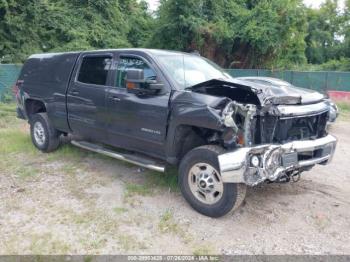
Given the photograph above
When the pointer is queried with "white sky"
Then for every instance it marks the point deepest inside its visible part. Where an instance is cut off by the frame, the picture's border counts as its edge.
(153, 4)
(315, 3)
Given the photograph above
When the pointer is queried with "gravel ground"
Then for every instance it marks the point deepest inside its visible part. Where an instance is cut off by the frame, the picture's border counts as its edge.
(73, 202)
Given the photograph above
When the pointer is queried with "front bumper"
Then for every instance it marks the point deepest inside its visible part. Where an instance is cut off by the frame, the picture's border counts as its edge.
(275, 160)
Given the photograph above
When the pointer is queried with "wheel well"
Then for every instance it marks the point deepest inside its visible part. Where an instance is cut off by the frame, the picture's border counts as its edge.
(189, 137)
(34, 106)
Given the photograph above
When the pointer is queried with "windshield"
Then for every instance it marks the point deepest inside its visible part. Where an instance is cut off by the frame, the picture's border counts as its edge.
(189, 70)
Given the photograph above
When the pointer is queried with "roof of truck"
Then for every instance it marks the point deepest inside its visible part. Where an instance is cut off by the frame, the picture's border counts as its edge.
(149, 51)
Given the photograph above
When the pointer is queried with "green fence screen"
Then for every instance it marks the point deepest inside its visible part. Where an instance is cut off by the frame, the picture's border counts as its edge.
(320, 81)
(8, 76)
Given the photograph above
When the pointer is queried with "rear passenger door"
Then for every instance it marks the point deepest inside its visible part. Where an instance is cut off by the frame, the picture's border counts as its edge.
(86, 96)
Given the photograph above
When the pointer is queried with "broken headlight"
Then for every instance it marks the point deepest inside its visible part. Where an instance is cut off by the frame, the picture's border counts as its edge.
(255, 161)
(273, 161)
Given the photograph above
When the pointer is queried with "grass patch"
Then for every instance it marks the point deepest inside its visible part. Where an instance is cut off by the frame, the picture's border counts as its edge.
(67, 152)
(47, 244)
(69, 168)
(166, 180)
(120, 210)
(91, 243)
(154, 180)
(344, 110)
(128, 242)
(131, 190)
(8, 115)
(203, 251)
(15, 141)
(136, 189)
(5, 113)
(344, 106)
(12, 139)
(26, 171)
(79, 218)
(94, 219)
(16, 148)
(167, 223)
(7, 108)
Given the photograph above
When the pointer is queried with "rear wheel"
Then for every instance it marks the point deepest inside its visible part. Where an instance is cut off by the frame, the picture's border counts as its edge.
(44, 136)
(202, 186)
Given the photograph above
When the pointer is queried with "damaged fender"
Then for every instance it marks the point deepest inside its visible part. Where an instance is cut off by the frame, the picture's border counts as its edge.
(192, 110)
(229, 121)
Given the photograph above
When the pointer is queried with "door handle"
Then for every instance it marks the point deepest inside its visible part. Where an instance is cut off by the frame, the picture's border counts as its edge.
(115, 98)
(74, 92)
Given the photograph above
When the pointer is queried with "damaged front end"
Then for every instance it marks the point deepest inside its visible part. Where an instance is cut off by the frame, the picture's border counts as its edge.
(304, 143)
(239, 121)
(268, 138)
(274, 161)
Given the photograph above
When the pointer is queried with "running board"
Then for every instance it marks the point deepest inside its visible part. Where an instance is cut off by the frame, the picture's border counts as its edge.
(134, 159)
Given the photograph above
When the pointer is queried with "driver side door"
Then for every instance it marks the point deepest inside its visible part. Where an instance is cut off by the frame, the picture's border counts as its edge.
(136, 122)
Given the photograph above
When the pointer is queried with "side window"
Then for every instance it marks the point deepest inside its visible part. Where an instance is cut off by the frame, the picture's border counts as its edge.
(126, 63)
(94, 70)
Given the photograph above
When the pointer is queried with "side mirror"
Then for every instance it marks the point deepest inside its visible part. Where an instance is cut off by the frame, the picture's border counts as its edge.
(135, 76)
(137, 84)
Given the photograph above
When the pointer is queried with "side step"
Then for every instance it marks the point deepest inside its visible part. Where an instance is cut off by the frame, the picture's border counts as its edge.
(134, 159)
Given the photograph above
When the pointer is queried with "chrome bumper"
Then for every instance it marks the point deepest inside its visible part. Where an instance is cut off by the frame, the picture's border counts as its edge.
(274, 160)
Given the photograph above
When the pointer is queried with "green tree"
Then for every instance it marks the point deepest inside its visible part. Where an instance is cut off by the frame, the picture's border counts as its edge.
(234, 33)
(346, 30)
(140, 22)
(30, 26)
(240, 33)
(324, 33)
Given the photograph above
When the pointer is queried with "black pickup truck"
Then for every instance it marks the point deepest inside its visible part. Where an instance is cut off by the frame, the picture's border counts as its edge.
(165, 107)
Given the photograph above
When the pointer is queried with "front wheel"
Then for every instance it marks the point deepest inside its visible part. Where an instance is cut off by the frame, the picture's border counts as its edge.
(201, 183)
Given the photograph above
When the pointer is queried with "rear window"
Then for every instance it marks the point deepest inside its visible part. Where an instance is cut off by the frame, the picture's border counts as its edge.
(94, 70)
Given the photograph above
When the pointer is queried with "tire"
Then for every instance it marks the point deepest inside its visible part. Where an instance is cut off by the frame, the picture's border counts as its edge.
(213, 199)
(44, 136)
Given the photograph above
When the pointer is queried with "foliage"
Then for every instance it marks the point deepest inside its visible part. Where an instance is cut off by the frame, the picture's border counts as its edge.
(344, 106)
(342, 64)
(6, 96)
(346, 30)
(325, 26)
(234, 33)
(277, 34)
(30, 26)
(141, 23)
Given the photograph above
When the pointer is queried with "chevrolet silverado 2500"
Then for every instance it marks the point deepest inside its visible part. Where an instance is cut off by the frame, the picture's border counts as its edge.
(167, 107)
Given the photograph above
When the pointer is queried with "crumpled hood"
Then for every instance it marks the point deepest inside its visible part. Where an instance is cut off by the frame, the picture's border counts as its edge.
(269, 94)
(283, 93)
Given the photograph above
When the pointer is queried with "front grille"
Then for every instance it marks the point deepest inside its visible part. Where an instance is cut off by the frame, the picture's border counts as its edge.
(283, 130)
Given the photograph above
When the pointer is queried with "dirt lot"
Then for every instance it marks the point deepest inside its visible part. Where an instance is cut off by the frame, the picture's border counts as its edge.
(76, 202)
